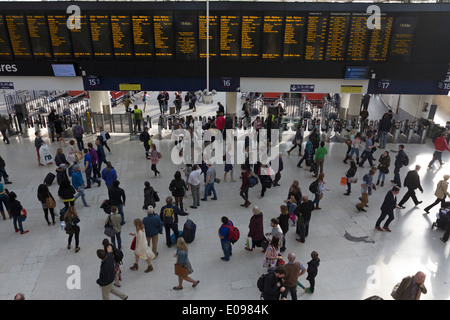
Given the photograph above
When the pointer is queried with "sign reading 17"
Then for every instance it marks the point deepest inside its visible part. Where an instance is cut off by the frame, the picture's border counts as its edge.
(383, 85)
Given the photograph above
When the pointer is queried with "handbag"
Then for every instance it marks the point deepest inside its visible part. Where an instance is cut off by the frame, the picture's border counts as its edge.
(133, 244)
(180, 270)
(109, 229)
(23, 214)
(50, 203)
(343, 181)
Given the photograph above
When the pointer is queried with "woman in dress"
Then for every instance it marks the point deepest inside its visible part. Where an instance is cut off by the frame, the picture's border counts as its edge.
(183, 260)
(42, 194)
(142, 250)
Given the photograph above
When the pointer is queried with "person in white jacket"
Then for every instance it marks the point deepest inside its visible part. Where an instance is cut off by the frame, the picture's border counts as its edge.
(141, 249)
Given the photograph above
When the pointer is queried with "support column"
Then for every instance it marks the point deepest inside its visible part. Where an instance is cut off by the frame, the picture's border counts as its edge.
(100, 101)
(231, 105)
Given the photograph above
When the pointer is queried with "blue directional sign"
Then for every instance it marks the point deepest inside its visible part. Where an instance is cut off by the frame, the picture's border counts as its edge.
(302, 87)
(6, 85)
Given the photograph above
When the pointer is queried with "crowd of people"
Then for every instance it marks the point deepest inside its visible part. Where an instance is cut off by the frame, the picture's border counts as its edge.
(82, 167)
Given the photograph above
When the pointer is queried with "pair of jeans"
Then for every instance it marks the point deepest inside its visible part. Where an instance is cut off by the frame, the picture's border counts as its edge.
(89, 177)
(174, 228)
(119, 240)
(354, 150)
(381, 175)
(227, 249)
(17, 220)
(195, 190)
(81, 193)
(437, 155)
(76, 233)
(244, 194)
(397, 180)
(382, 135)
(208, 188)
(303, 230)
(80, 143)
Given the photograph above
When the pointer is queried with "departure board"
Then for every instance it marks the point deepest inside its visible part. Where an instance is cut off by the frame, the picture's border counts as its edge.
(122, 41)
(81, 38)
(59, 36)
(251, 28)
(186, 36)
(402, 38)
(39, 36)
(379, 40)
(316, 33)
(294, 37)
(164, 35)
(18, 35)
(5, 46)
(273, 33)
(337, 36)
(143, 43)
(359, 35)
(101, 36)
(230, 36)
(214, 35)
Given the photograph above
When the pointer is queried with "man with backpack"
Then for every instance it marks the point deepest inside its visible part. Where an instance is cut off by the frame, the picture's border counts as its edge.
(228, 234)
(78, 135)
(271, 284)
(169, 217)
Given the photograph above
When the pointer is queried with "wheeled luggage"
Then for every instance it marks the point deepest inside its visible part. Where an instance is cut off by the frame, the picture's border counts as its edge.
(189, 231)
(49, 179)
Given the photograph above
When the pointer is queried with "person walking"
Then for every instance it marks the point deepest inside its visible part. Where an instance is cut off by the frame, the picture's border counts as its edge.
(308, 154)
(366, 190)
(354, 148)
(383, 167)
(283, 219)
(319, 158)
(88, 167)
(66, 193)
(161, 103)
(245, 175)
(145, 138)
(103, 139)
(318, 195)
(412, 182)
(169, 217)
(71, 220)
(294, 269)
(4, 125)
(78, 132)
(101, 156)
(400, 160)
(441, 192)
(367, 153)
(183, 262)
(178, 188)
(411, 287)
(59, 129)
(272, 254)
(150, 196)
(154, 157)
(194, 182)
(107, 275)
(280, 168)
(303, 212)
(297, 141)
(256, 229)
(38, 143)
(16, 210)
(350, 175)
(115, 220)
(118, 198)
(47, 201)
(224, 236)
(312, 269)
(109, 175)
(142, 250)
(153, 227)
(78, 184)
(387, 209)
(440, 145)
(209, 182)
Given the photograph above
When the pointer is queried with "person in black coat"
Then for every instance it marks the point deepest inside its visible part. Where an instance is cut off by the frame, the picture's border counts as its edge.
(387, 209)
(412, 182)
(42, 194)
(118, 198)
(399, 160)
(273, 284)
(384, 128)
(16, 212)
(303, 213)
(108, 274)
(178, 188)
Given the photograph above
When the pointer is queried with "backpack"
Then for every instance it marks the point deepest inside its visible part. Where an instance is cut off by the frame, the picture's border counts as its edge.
(233, 234)
(78, 131)
(118, 255)
(260, 282)
(168, 216)
(314, 186)
(405, 161)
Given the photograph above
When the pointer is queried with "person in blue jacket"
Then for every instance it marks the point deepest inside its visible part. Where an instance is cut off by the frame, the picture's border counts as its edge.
(78, 184)
(109, 174)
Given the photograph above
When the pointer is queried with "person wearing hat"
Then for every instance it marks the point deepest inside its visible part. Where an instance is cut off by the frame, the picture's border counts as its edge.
(153, 227)
(61, 173)
(440, 193)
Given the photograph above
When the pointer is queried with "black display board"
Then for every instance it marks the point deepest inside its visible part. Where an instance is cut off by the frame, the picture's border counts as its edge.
(230, 36)
(337, 36)
(143, 42)
(251, 27)
(294, 36)
(101, 35)
(60, 36)
(18, 35)
(186, 35)
(39, 36)
(164, 35)
(81, 38)
(358, 39)
(273, 36)
(6, 52)
(121, 36)
(214, 35)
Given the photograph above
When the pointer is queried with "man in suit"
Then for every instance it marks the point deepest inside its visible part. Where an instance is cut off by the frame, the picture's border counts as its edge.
(412, 182)
(387, 209)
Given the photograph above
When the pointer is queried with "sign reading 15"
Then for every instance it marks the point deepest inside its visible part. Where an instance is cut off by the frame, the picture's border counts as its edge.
(93, 81)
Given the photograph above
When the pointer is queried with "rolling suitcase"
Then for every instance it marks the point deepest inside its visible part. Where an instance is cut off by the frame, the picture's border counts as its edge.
(172, 110)
(189, 231)
(49, 179)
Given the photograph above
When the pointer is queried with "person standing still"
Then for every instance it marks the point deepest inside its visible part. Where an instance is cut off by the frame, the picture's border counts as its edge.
(194, 182)
(209, 182)
(294, 269)
(224, 233)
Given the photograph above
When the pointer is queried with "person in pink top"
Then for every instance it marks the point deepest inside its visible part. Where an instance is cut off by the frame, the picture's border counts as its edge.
(440, 145)
(154, 156)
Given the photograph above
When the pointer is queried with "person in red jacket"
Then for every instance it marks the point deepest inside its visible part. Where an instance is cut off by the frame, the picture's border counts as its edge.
(440, 145)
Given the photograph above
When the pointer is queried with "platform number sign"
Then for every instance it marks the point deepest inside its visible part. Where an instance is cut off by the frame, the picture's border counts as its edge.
(93, 81)
(444, 85)
(384, 85)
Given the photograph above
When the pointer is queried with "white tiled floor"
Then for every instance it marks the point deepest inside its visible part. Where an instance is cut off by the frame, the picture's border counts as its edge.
(37, 263)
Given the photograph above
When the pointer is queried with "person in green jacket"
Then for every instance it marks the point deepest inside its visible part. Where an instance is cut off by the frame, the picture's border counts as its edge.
(319, 158)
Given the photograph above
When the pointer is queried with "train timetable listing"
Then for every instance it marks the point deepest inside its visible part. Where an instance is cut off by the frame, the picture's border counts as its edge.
(294, 35)
(272, 36)
(5, 46)
(18, 35)
(316, 36)
(59, 36)
(337, 36)
(186, 36)
(101, 36)
(359, 34)
(81, 38)
(251, 37)
(214, 35)
(230, 34)
(121, 36)
(379, 40)
(164, 35)
(39, 36)
(402, 37)
(143, 42)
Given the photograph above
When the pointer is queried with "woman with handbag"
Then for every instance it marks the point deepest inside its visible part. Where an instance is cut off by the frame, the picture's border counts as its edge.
(47, 201)
(155, 156)
(350, 174)
(17, 213)
(71, 219)
(141, 248)
(272, 254)
(297, 141)
(383, 167)
(183, 266)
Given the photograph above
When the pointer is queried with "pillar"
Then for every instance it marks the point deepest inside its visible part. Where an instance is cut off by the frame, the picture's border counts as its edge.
(100, 101)
(231, 105)
(350, 105)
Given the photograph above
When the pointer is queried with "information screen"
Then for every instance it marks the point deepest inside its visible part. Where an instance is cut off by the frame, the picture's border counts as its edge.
(359, 35)
(403, 38)
(60, 36)
(39, 36)
(64, 70)
(251, 36)
(143, 43)
(101, 36)
(273, 28)
(164, 35)
(186, 36)
(316, 33)
(214, 35)
(81, 38)
(379, 40)
(230, 36)
(121, 37)
(294, 37)
(5, 46)
(337, 36)
(18, 35)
